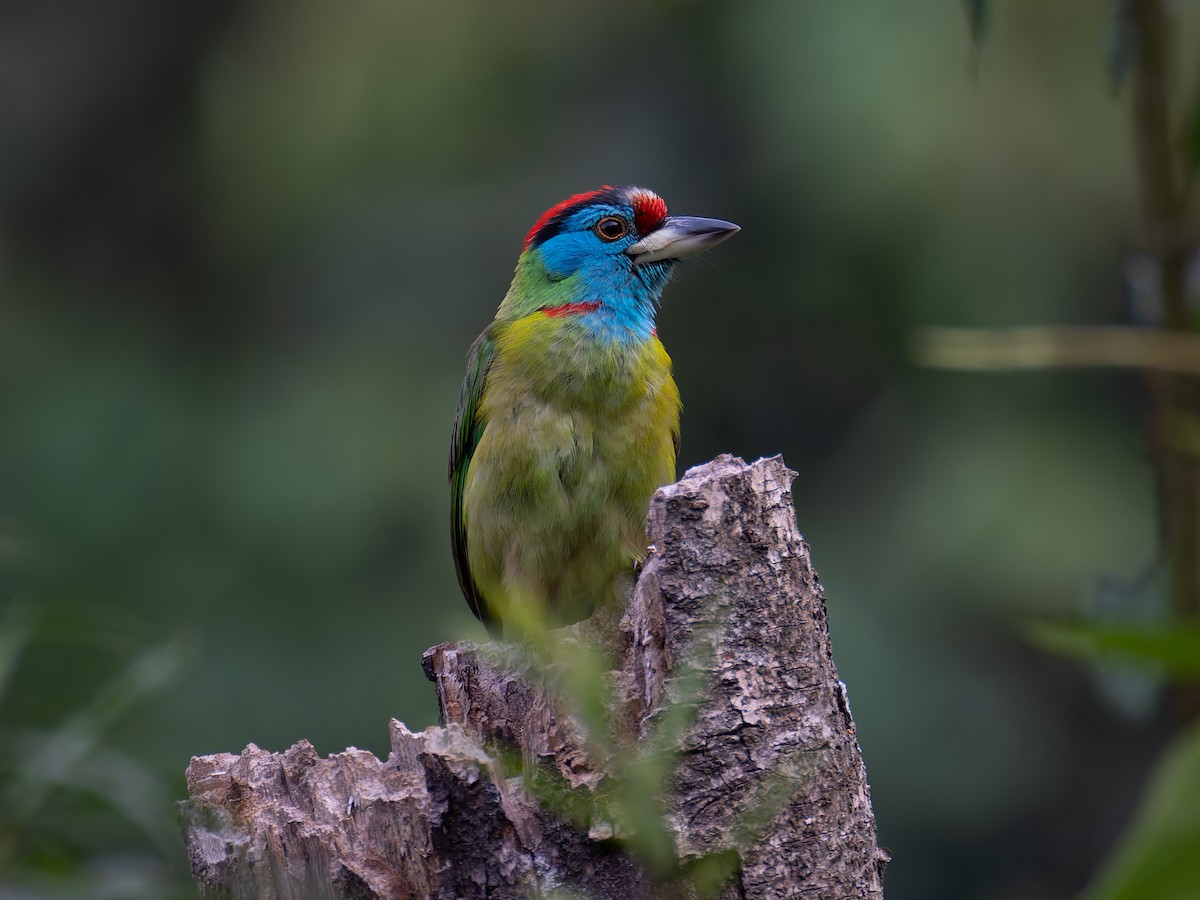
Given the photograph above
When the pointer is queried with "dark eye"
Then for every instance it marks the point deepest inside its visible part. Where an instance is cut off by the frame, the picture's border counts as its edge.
(610, 228)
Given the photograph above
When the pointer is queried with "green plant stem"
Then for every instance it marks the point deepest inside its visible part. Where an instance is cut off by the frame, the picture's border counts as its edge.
(1164, 203)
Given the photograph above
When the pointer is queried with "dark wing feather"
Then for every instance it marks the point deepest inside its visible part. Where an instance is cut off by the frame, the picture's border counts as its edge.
(468, 429)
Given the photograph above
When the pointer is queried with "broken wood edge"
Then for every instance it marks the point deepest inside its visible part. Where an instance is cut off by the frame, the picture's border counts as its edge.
(727, 589)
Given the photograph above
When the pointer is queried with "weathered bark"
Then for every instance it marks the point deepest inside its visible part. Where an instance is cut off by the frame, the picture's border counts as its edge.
(727, 618)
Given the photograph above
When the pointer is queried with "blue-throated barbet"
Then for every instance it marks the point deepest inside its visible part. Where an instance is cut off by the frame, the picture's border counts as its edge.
(569, 417)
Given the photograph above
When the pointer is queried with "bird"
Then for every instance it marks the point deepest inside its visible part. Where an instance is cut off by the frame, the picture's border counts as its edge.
(568, 417)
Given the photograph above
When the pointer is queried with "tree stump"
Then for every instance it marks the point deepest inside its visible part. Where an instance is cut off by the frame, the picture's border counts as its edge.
(726, 619)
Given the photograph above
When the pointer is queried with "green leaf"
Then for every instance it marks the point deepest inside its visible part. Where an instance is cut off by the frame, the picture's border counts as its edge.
(708, 875)
(17, 623)
(1176, 648)
(79, 735)
(1158, 856)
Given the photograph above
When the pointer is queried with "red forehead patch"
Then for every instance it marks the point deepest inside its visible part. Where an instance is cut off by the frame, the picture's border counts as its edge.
(649, 210)
(573, 200)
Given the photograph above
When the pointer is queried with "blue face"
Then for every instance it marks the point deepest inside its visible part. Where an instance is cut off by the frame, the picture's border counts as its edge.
(593, 238)
(591, 245)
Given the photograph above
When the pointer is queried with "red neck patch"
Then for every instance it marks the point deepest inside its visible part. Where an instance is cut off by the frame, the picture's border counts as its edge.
(568, 309)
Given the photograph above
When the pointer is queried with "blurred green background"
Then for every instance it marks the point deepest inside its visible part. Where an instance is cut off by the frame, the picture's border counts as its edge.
(244, 245)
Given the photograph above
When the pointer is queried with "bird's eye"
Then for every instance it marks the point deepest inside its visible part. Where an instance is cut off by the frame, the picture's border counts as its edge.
(610, 228)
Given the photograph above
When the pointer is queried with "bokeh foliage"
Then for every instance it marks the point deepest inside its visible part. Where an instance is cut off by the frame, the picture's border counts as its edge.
(245, 244)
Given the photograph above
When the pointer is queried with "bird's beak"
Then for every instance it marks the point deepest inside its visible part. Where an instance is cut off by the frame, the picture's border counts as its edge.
(681, 236)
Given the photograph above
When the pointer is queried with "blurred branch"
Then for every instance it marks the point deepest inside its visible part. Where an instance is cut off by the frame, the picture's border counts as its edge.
(1168, 356)
(725, 696)
(1165, 207)
(977, 23)
(1046, 347)
(1157, 149)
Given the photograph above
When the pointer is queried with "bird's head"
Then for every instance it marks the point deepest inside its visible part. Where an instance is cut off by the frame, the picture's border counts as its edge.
(614, 248)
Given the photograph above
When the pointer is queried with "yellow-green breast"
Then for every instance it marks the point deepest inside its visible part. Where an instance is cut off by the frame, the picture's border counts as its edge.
(577, 434)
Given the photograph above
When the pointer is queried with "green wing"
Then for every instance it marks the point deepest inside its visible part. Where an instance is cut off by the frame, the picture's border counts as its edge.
(468, 429)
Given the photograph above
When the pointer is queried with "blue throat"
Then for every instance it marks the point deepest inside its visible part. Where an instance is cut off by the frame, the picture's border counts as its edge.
(627, 295)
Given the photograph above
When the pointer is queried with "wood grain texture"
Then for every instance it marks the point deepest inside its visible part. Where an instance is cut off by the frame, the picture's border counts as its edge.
(726, 617)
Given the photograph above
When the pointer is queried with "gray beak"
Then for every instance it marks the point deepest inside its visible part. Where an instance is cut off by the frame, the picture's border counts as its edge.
(681, 236)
